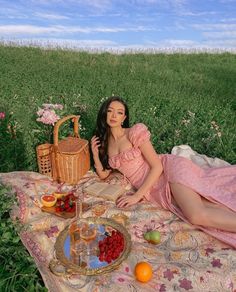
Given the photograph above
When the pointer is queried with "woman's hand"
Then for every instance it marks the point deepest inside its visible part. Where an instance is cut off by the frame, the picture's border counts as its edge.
(128, 200)
(95, 144)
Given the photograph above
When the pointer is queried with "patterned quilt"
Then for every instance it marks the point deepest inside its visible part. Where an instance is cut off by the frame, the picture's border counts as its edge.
(186, 259)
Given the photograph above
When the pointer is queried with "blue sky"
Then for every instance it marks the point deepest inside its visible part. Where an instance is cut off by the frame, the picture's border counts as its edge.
(120, 23)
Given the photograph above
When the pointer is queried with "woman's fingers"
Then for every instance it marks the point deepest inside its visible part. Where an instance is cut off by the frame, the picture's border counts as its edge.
(120, 199)
(125, 201)
(95, 141)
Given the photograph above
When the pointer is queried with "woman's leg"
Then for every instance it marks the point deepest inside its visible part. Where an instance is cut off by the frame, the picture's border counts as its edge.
(201, 212)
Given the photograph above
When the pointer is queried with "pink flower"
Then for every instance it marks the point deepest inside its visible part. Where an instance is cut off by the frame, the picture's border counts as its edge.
(2, 115)
(48, 117)
(40, 112)
(47, 114)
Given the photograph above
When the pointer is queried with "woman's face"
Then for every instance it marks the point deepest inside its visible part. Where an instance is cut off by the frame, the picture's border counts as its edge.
(115, 114)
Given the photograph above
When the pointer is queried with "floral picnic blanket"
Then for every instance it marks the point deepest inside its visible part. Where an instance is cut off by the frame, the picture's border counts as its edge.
(186, 259)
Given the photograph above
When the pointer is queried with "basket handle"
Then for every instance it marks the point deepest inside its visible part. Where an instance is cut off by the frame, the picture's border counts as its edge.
(55, 138)
(60, 122)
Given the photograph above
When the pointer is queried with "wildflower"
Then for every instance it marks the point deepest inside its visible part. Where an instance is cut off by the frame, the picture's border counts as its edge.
(2, 115)
(177, 132)
(191, 114)
(153, 110)
(103, 99)
(214, 126)
(185, 122)
(81, 107)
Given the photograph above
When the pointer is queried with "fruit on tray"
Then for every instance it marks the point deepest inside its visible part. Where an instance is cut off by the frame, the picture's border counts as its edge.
(59, 195)
(143, 272)
(48, 200)
(66, 203)
(111, 247)
(153, 236)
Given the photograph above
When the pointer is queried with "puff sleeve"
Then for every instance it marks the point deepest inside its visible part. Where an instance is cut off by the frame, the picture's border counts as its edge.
(139, 134)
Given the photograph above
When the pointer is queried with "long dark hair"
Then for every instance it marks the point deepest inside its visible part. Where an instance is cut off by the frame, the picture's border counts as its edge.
(102, 129)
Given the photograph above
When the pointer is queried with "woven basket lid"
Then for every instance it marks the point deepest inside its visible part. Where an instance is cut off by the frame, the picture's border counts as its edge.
(72, 145)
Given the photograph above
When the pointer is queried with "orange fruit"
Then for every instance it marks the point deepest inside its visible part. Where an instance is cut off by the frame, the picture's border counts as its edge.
(48, 200)
(143, 272)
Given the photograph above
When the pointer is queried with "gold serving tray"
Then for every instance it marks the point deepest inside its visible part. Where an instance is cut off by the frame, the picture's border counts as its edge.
(63, 240)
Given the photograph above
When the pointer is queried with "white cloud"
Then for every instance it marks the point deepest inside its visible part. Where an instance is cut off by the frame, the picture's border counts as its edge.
(174, 43)
(228, 20)
(27, 29)
(169, 44)
(227, 1)
(220, 34)
(221, 43)
(37, 30)
(99, 5)
(197, 14)
(50, 16)
(216, 26)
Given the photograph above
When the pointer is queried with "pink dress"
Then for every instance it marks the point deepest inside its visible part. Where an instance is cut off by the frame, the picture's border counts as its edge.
(215, 184)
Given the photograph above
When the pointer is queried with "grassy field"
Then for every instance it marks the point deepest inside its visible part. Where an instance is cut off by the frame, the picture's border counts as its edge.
(183, 98)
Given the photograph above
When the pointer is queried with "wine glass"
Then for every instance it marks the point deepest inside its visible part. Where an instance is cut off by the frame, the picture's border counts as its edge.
(77, 245)
(88, 233)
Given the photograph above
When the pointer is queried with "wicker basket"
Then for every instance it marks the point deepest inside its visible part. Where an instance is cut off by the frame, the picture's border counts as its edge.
(70, 157)
(44, 152)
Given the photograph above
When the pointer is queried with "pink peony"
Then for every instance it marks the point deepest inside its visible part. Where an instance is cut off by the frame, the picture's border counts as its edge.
(49, 117)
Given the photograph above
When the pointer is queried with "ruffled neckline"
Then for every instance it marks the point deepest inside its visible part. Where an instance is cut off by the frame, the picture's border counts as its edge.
(124, 156)
(120, 153)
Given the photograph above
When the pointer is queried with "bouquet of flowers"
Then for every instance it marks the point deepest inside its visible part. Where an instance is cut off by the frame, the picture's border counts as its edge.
(48, 116)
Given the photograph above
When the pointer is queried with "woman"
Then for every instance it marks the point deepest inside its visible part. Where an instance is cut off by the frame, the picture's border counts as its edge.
(202, 197)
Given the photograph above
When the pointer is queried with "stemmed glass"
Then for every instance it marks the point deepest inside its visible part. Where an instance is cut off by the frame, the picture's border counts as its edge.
(77, 245)
(88, 233)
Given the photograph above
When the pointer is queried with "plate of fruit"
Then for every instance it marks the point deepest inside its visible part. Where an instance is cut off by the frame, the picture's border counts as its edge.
(92, 246)
(61, 204)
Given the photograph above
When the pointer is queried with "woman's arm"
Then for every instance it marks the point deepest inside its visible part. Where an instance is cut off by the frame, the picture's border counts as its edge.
(156, 169)
(95, 144)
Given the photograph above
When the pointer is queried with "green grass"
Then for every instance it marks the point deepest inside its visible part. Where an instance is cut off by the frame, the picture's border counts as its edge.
(178, 96)
(18, 271)
(160, 90)
(171, 85)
